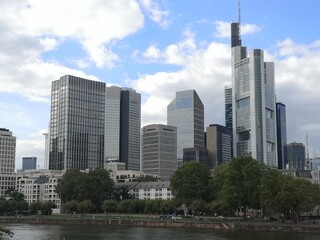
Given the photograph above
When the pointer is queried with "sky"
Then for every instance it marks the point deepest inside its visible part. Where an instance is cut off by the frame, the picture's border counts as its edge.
(157, 47)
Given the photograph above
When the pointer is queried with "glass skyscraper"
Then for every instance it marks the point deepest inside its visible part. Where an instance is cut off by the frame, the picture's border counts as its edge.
(295, 155)
(228, 106)
(186, 112)
(281, 134)
(76, 123)
(253, 101)
(122, 126)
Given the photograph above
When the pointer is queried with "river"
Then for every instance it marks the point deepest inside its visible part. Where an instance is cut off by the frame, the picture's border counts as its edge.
(80, 232)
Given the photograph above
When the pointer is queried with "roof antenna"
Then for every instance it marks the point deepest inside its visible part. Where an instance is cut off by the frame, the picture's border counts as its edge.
(239, 15)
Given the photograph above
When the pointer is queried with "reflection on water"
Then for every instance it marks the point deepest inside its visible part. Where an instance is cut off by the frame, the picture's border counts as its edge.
(79, 232)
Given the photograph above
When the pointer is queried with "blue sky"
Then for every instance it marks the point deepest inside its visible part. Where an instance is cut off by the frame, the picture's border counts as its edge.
(157, 47)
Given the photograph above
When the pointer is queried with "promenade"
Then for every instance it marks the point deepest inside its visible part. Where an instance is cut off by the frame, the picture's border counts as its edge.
(155, 221)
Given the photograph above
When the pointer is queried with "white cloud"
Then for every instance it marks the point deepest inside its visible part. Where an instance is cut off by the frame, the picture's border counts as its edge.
(203, 68)
(223, 29)
(155, 13)
(94, 24)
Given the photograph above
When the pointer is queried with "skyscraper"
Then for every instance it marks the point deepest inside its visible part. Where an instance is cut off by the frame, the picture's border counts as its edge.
(7, 160)
(295, 155)
(219, 144)
(253, 101)
(281, 134)
(159, 150)
(122, 126)
(130, 126)
(186, 112)
(29, 163)
(77, 123)
(228, 106)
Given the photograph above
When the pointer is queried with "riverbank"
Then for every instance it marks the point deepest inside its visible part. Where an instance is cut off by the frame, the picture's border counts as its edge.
(225, 225)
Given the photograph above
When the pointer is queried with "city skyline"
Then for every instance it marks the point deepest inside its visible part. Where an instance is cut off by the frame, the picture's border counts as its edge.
(157, 48)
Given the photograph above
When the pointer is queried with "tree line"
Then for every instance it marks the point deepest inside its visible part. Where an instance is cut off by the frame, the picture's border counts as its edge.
(16, 205)
(243, 184)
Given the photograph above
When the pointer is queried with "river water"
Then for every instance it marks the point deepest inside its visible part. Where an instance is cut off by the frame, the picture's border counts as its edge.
(68, 232)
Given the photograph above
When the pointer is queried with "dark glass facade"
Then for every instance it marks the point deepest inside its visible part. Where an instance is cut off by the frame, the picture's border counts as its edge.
(281, 134)
(76, 123)
(295, 155)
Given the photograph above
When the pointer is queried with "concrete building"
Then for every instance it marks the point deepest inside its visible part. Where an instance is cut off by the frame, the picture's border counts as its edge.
(7, 160)
(281, 122)
(29, 163)
(295, 155)
(77, 123)
(159, 150)
(186, 112)
(219, 144)
(39, 185)
(253, 101)
(199, 155)
(122, 126)
(149, 190)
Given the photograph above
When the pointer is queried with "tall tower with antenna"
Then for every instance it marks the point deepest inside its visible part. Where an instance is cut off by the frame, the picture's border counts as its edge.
(253, 102)
(235, 30)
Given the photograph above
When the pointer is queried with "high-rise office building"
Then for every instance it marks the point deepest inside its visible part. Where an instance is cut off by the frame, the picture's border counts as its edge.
(228, 106)
(130, 127)
(122, 126)
(219, 144)
(7, 160)
(197, 154)
(281, 133)
(295, 155)
(186, 112)
(253, 101)
(159, 150)
(29, 163)
(77, 123)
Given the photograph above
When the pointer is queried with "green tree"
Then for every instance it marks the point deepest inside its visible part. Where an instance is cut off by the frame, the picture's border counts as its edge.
(96, 186)
(239, 183)
(71, 206)
(85, 206)
(167, 207)
(125, 206)
(46, 208)
(190, 182)
(152, 206)
(110, 206)
(3, 206)
(35, 207)
(198, 206)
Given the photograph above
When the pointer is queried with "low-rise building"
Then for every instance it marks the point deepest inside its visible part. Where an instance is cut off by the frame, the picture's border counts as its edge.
(160, 190)
(40, 185)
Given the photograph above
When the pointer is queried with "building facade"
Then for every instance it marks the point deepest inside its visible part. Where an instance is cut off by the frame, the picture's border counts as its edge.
(228, 106)
(123, 122)
(281, 133)
(253, 101)
(130, 126)
(219, 144)
(159, 150)
(76, 124)
(295, 155)
(29, 163)
(186, 112)
(199, 155)
(7, 160)
(39, 186)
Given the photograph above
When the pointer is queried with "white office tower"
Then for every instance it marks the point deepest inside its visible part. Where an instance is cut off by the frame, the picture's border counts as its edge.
(186, 112)
(159, 150)
(7, 160)
(122, 126)
(253, 100)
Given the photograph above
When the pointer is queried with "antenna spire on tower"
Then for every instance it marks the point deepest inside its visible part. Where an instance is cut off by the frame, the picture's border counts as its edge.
(239, 15)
